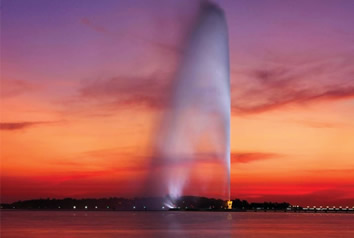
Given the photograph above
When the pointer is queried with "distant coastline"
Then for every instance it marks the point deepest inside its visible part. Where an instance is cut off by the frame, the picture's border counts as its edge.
(185, 203)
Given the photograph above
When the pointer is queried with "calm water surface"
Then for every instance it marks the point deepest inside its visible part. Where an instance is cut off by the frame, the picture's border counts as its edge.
(173, 224)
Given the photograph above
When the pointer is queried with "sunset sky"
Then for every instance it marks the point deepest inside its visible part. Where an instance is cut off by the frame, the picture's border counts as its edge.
(83, 85)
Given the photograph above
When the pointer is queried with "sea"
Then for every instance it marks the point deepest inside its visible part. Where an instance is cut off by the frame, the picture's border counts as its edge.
(174, 224)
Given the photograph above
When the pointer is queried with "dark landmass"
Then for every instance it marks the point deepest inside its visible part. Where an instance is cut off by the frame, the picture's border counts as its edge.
(140, 204)
(185, 203)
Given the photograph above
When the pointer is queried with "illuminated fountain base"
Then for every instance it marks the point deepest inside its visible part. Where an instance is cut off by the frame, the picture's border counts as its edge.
(229, 204)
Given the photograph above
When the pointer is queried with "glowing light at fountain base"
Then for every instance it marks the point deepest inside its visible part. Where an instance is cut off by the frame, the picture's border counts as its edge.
(229, 204)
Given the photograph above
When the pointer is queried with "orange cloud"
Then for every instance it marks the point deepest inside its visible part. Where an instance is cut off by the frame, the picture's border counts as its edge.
(277, 86)
(11, 126)
(265, 90)
(287, 97)
(14, 87)
(126, 91)
(251, 157)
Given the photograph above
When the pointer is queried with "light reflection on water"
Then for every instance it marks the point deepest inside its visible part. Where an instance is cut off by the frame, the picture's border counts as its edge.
(173, 224)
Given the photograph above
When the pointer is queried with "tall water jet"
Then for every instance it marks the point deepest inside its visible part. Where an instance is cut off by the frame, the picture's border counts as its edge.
(196, 126)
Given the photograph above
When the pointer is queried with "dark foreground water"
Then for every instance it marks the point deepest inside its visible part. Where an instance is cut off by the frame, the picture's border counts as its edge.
(173, 224)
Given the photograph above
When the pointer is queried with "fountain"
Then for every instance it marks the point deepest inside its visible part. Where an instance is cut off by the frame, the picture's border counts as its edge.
(199, 108)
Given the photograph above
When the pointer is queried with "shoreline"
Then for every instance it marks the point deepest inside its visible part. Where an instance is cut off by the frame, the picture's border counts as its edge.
(218, 211)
